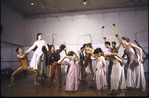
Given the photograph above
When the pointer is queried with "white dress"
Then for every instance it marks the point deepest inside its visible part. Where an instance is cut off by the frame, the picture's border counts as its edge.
(135, 72)
(117, 75)
(36, 59)
(100, 74)
(72, 76)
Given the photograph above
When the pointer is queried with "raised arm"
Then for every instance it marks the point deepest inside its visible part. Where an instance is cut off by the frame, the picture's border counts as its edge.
(140, 50)
(119, 41)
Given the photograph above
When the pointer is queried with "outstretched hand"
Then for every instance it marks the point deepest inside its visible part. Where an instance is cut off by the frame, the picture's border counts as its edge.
(123, 62)
(104, 38)
(27, 52)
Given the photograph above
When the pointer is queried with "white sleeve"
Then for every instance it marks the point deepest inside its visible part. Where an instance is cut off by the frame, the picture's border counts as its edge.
(46, 45)
(32, 47)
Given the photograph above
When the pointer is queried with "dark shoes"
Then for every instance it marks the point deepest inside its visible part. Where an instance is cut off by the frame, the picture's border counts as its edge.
(60, 86)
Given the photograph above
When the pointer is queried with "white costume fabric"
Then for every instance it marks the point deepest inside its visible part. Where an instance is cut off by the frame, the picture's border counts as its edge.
(135, 72)
(117, 75)
(100, 74)
(36, 59)
(108, 66)
(72, 76)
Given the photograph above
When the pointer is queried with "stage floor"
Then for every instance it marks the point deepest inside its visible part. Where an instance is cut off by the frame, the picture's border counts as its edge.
(23, 86)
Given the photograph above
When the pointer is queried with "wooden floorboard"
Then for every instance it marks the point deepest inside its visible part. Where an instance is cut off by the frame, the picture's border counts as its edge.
(23, 87)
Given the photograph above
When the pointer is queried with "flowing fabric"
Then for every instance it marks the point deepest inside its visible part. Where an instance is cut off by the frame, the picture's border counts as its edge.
(71, 77)
(100, 74)
(117, 74)
(135, 72)
(36, 59)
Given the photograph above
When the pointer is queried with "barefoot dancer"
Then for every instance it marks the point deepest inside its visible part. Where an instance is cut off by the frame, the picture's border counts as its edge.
(72, 76)
(117, 73)
(24, 66)
(100, 74)
(88, 62)
(135, 71)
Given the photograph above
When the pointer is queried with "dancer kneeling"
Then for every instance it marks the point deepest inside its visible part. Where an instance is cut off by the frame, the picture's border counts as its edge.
(71, 78)
(24, 66)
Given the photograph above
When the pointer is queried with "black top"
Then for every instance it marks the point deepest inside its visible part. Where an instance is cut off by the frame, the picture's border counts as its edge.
(53, 58)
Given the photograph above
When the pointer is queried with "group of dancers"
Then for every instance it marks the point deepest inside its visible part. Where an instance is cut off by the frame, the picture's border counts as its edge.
(110, 69)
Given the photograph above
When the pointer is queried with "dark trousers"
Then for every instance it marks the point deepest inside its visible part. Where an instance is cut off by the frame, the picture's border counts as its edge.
(81, 65)
(52, 73)
(109, 72)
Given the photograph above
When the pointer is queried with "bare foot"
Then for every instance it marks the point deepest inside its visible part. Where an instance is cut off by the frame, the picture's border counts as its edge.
(36, 83)
(9, 85)
(78, 81)
(143, 89)
(54, 80)
(105, 87)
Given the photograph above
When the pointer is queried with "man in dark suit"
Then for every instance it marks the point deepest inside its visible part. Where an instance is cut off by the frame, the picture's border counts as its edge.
(82, 58)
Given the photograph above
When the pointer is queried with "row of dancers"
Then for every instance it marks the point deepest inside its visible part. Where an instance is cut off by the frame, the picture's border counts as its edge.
(109, 65)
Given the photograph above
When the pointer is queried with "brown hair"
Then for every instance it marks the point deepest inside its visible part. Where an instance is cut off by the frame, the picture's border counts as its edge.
(89, 45)
(70, 53)
(126, 38)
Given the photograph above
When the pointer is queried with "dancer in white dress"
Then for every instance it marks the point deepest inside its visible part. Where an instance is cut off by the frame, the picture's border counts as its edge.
(117, 73)
(36, 59)
(100, 74)
(71, 77)
(108, 65)
(135, 72)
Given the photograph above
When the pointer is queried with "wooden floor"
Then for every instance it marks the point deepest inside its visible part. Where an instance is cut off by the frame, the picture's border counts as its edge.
(23, 86)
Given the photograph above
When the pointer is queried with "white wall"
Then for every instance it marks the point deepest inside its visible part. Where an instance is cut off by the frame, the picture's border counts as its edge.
(13, 25)
(71, 26)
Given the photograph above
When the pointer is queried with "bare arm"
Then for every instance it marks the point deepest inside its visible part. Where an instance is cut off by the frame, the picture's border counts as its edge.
(119, 41)
(22, 56)
(60, 61)
(115, 54)
(77, 57)
(140, 50)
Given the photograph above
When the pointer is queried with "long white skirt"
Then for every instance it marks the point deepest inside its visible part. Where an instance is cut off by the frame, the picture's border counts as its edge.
(36, 60)
(117, 76)
(101, 78)
(135, 74)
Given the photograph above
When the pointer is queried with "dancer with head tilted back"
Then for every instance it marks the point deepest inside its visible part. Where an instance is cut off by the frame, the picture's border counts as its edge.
(135, 71)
